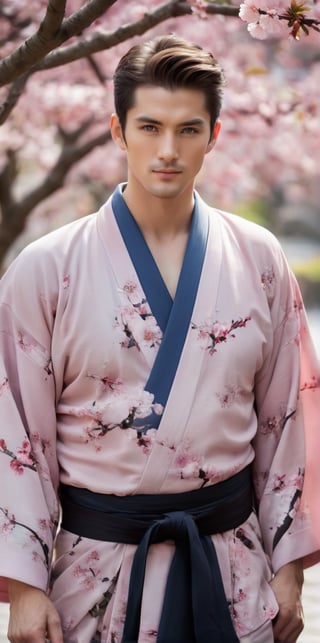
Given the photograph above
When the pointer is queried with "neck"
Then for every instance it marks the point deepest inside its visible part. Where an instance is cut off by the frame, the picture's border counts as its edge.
(160, 218)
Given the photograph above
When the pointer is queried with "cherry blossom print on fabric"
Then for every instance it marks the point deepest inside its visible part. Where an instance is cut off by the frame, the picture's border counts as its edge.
(134, 320)
(289, 490)
(127, 408)
(90, 572)
(268, 281)
(189, 464)
(213, 333)
(66, 282)
(229, 396)
(105, 382)
(313, 381)
(10, 525)
(99, 608)
(275, 425)
(4, 385)
(35, 351)
(23, 459)
(27, 457)
(246, 542)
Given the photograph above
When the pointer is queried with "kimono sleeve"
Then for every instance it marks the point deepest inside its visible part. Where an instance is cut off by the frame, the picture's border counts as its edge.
(29, 470)
(287, 443)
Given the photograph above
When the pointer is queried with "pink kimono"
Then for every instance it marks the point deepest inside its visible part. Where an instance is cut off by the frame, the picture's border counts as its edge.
(108, 384)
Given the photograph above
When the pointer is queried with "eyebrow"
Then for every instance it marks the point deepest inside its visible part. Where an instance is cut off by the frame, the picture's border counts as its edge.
(154, 121)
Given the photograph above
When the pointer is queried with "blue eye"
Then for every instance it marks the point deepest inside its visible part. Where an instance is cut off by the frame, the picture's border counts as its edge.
(189, 130)
(148, 128)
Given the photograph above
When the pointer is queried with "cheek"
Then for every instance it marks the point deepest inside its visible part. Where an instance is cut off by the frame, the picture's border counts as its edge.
(196, 150)
(143, 155)
(197, 156)
(138, 159)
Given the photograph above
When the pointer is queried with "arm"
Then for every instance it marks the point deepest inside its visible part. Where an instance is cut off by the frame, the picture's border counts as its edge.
(286, 471)
(287, 442)
(33, 618)
(29, 468)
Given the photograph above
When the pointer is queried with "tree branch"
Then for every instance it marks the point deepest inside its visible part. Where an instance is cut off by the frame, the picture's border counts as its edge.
(13, 96)
(35, 47)
(52, 31)
(41, 45)
(96, 70)
(102, 40)
(7, 177)
(99, 41)
(222, 10)
(15, 213)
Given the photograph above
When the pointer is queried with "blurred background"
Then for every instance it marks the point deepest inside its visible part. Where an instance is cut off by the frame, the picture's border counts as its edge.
(57, 162)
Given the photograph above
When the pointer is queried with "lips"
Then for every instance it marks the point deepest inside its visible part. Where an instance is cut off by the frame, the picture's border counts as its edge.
(167, 171)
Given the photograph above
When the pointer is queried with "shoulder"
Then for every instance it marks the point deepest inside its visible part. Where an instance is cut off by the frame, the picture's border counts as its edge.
(40, 271)
(52, 251)
(244, 230)
(255, 243)
(60, 242)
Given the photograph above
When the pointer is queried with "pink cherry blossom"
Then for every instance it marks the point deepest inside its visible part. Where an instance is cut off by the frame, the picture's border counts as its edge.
(272, 24)
(17, 467)
(249, 12)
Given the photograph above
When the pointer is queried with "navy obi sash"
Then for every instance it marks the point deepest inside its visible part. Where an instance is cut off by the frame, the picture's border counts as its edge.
(195, 608)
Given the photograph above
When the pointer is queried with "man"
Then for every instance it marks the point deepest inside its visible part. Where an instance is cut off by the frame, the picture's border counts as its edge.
(157, 370)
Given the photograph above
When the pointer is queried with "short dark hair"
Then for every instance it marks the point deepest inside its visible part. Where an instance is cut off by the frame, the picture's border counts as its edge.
(170, 62)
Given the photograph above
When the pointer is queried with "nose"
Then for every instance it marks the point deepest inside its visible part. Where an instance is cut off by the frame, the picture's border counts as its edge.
(168, 150)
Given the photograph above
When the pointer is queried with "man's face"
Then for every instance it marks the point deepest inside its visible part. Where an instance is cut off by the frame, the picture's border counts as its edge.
(167, 135)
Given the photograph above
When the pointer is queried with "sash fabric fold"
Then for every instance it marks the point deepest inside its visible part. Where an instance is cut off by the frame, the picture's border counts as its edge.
(195, 608)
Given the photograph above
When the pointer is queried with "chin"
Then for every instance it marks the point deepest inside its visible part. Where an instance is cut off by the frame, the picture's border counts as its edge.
(165, 192)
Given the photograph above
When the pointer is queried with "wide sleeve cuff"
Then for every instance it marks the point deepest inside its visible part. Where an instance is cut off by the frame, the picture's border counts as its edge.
(299, 545)
(19, 567)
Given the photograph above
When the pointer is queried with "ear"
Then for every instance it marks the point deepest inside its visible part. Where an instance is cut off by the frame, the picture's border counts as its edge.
(116, 132)
(214, 136)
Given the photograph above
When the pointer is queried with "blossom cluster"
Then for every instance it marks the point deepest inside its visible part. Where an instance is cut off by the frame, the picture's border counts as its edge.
(277, 18)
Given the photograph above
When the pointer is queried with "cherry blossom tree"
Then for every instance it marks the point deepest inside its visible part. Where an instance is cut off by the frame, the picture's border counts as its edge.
(56, 67)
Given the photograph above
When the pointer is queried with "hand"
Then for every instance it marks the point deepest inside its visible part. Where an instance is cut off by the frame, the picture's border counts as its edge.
(33, 617)
(287, 587)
